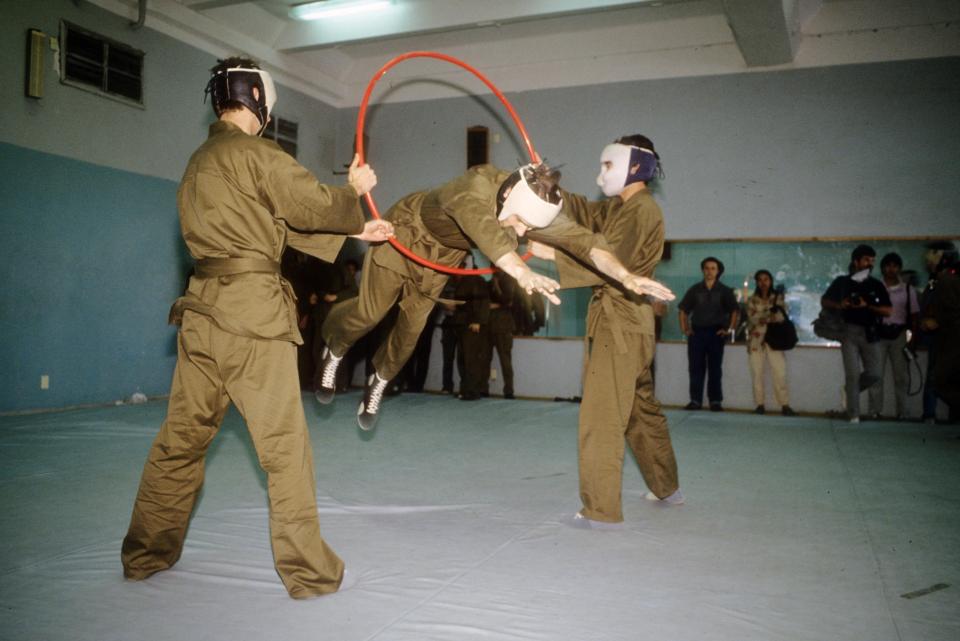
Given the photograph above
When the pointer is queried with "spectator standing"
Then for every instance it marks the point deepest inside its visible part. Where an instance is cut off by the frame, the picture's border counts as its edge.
(766, 305)
(905, 309)
(941, 258)
(708, 313)
(863, 300)
(450, 336)
(500, 330)
(473, 317)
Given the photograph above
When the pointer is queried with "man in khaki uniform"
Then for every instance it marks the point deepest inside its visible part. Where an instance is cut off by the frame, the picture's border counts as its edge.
(474, 318)
(500, 331)
(618, 398)
(239, 201)
(485, 207)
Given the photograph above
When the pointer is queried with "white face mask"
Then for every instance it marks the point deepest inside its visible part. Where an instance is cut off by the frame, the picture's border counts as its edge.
(527, 206)
(613, 176)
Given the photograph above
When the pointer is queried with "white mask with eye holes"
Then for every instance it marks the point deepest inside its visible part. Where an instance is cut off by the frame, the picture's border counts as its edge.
(614, 166)
(535, 212)
(615, 163)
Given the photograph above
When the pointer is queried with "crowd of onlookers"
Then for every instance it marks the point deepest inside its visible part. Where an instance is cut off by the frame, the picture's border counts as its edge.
(875, 320)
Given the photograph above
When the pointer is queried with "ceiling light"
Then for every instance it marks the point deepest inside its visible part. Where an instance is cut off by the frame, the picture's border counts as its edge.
(337, 8)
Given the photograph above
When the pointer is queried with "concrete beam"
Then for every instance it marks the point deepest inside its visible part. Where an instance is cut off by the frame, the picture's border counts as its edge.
(767, 31)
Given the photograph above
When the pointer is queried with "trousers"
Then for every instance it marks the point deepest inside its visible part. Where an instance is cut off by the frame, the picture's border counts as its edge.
(778, 373)
(705, 361)
(856, 349)
(380, 289)
(618, 407)
(891, 350)
(214, 368)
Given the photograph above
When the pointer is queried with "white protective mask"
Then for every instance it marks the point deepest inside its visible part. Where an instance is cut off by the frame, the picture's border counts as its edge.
(613, 179)
(534, 211)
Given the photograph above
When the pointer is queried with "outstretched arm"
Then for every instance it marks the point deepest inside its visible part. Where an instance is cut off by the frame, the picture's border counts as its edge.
(608, 264)
(529, 280)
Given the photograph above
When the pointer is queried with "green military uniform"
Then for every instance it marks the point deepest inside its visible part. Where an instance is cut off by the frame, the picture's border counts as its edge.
(474, 292)
(946, 373)
(239, 202)
(440, 225)
(618, 396)
(501, 328)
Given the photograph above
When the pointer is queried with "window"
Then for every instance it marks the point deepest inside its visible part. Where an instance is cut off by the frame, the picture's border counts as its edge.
(93, 62)
(478, 148)
(284, 132)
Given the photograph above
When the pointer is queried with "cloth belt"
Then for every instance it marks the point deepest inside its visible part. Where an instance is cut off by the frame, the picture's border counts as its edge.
(213, 267)
(616, 327)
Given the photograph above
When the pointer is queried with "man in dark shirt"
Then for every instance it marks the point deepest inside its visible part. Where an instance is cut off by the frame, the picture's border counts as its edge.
(863, 301)
(708, 312)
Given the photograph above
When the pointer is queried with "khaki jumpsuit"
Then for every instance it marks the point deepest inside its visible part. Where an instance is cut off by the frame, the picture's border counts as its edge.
(239, 201)
(441, 225)
(503, 296)
(473, 348)
(618, 395)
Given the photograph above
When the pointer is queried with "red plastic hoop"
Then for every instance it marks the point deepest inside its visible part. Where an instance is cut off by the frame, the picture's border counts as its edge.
(361, 119)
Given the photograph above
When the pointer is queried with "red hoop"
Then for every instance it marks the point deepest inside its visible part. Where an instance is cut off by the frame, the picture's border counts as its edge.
(361, 118)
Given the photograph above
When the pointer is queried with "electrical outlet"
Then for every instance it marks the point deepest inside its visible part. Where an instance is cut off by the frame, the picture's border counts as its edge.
(44, 381)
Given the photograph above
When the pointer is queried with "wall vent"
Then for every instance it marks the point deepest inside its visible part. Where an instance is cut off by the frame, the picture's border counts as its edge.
(96, 63)
(284, 132)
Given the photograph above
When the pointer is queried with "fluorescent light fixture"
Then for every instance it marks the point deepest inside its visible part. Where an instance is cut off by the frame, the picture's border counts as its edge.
(337, 8)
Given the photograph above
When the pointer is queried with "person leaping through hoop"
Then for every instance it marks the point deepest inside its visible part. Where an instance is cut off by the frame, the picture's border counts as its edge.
(486, 208)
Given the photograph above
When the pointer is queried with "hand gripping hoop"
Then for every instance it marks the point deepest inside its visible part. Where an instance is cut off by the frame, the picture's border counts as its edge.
(362, 116)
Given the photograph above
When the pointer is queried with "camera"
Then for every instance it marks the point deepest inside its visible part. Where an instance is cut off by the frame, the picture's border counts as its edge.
(855, 298)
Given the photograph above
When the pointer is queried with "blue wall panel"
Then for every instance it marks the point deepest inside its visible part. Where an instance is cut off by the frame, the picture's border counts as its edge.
(92, 259)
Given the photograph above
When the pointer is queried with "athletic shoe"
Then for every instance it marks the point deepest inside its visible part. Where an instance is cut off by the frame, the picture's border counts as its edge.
(581, 522)
(348, 581)
(674, 499)
(692, 405)
(787, 411)
(328, 377)
(853, 420)
(716, 407)
(368, 411)
(760, 410)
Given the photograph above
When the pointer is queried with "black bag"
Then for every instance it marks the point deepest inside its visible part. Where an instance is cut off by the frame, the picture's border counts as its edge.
(830, 325)
(889, 332)
(781, 336)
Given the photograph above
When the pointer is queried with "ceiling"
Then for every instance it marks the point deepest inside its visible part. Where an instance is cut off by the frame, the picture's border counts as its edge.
(537, 44)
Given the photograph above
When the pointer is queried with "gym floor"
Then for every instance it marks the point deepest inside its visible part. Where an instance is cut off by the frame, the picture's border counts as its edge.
(452, 518)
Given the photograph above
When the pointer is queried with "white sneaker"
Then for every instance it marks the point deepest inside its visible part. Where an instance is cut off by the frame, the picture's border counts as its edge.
(853, 420)
(369, 410)
(581, 522)
(348, 581)
(328, 377)
(674, 499)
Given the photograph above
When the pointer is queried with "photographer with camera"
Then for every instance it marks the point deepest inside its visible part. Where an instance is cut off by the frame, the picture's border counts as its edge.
(863, 301)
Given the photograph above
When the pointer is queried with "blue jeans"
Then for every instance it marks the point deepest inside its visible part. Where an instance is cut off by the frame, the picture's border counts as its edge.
(705, 358)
